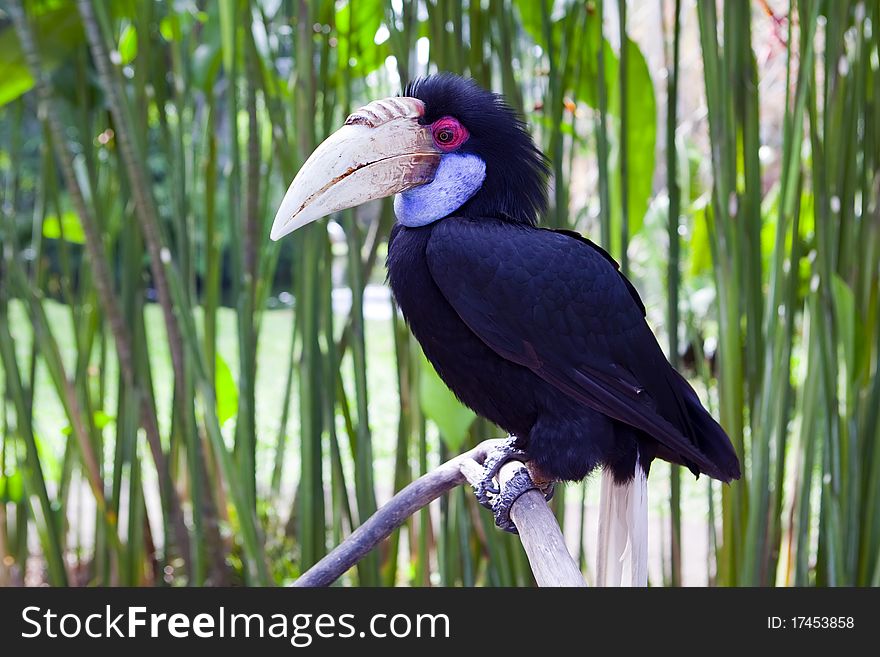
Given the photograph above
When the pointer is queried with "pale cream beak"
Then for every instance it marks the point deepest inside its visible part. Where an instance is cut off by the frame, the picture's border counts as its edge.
(381, 150)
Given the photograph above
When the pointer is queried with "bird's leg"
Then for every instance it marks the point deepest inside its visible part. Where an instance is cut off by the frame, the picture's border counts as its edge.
(501, 499)
(543, 483)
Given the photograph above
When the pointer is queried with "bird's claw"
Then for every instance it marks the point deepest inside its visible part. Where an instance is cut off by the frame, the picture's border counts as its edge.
(518, 484)
(500, 499)
(485, 489)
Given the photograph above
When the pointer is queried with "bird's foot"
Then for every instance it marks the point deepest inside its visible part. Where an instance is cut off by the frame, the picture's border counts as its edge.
(500, 499)
(486, 489)
(521, 482)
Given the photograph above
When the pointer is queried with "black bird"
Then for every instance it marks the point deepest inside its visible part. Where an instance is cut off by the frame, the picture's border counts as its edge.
(534, 329)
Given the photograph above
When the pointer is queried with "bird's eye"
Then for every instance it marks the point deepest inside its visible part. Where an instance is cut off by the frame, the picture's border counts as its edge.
(448, 133)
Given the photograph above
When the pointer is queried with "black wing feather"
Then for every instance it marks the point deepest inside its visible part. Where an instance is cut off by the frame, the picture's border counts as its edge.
(629, 286)
(558, 306)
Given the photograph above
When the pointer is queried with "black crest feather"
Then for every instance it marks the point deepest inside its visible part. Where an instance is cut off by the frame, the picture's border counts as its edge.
(515, 188)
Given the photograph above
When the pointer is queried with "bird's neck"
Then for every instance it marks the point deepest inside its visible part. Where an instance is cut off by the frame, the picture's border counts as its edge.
(458, 178)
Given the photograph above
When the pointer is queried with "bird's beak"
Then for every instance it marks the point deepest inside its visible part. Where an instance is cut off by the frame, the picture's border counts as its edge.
(381, 150)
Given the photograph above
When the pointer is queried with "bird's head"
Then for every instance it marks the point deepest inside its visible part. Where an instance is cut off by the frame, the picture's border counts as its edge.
(445, 147)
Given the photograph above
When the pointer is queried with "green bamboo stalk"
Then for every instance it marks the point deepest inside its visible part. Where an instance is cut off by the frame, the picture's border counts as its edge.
(581, 529)
(499, 566)
(364, 485)
(65, 388)
(504, 22)
(405, 424)
(553, 108)
(145, 205)
(673, 274)
(311, 490)
(745, 84)
(210, 303)
(775, 377)
(783, 305)
(623, 140)
(723, 243)
(423, 565)
(281, 438)
(852, 216)
(437, 54)
(129, 405)
(171, 290)
(15, 536)
(102, 278)
(208, 560)
(246, 419)
(464, 530)
(810, 418)
(477, 65)
(366, 494)
(602, 134)
(832, 570)
(184, 429)
(35, 481)
(448, 558)
(136, 510)
(871, 536)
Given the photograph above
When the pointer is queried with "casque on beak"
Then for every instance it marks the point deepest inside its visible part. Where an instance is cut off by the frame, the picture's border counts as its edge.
(380, 150)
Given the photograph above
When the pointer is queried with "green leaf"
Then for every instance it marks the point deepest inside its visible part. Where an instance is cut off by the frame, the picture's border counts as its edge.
(587, 84)
(531, 20)
(69, 228)
(356, 26)
(12, 487)
(226, 390)
(641, 133)
(845, 312)
(99, 418)
(102, 419)
(128, 44)
(641, 114)
(170, 29)
(439, 405)
(227, 32)
(58, 31)
(206, 64)
(700, 251)
(207, 55)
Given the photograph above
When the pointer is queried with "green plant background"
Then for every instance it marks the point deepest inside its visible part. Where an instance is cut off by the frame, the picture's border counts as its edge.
(186, 402)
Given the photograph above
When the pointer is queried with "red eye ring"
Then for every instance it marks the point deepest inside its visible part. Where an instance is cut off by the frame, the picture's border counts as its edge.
(448, 134)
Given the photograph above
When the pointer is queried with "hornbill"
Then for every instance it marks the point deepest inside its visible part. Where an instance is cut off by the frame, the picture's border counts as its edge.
(536, 330)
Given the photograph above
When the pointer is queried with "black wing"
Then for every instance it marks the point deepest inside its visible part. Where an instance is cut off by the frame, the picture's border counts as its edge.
(556, 304)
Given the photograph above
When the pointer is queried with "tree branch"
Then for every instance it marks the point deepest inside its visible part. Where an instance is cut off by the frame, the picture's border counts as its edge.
(541, 537)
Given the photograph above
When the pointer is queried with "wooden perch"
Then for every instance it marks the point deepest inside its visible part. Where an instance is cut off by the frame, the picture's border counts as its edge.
(541, 537)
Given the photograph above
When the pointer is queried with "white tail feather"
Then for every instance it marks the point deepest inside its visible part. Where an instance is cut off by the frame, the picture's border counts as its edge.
(623, 530)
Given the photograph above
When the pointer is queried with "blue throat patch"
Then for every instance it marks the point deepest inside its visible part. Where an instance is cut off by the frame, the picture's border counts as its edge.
(458, 177)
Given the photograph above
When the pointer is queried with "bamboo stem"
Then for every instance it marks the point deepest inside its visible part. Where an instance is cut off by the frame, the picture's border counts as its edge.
(101, 275)
(673, 280)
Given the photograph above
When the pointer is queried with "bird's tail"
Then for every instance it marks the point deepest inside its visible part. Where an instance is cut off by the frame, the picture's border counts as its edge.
(623, 530)
(721, 461)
